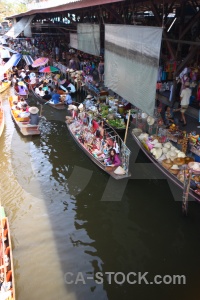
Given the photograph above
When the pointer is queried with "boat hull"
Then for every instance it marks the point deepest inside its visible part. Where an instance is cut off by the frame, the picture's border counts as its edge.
(2, 120)
(5, 86)
(6, 269)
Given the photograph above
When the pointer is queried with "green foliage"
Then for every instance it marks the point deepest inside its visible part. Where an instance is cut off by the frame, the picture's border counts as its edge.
(11, 8)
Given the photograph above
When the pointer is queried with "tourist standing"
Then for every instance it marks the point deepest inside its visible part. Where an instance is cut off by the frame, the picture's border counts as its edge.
(101, 70)
(185, 100)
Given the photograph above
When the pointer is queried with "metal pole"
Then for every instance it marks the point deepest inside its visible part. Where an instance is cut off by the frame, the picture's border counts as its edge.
(129, 113)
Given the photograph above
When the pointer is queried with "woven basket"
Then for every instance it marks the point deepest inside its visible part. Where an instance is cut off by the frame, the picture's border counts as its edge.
(167, 163)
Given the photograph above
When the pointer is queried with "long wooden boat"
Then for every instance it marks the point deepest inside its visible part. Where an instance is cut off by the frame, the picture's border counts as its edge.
(1, 119)
(22, 123)
(59, 106)
(164, 170)
(7, 291)
(4, 86)
(100, 162)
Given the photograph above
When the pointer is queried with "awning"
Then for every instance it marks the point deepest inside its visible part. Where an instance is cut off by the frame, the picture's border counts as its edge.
(28, 59)
(19, 27)
(9, 49)
(69, 5)
(13, 61)
(3, 40)
(4, 53)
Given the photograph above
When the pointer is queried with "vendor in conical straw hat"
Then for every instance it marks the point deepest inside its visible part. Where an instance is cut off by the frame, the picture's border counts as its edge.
(34, 117)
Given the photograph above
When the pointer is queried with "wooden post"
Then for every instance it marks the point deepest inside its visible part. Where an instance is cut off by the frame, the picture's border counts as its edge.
(129, 113)
(186, 192)
(41, 110)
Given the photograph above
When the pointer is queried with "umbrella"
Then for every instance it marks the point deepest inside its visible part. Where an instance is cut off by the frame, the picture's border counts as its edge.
(49, 69)
(40, 62)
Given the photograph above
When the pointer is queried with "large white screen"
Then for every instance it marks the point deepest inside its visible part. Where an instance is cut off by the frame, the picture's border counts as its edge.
(89, 38)
(131, 63)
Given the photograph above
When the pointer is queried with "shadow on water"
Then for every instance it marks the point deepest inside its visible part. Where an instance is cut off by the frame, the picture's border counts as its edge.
(144, 232)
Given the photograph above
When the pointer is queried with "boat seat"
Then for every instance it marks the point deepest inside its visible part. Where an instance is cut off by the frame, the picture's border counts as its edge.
(22, 119)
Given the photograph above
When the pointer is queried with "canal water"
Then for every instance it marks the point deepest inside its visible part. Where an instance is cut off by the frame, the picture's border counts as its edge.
(69, 220)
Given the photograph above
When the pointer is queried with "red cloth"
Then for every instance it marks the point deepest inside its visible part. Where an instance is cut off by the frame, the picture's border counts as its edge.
(95, 125)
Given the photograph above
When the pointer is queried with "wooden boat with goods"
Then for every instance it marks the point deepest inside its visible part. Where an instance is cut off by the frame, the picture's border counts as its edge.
(4, 86)
(59, 106)
(7, 281)
(96, 147)
(23, 123)
(171, 160)
(1, 119)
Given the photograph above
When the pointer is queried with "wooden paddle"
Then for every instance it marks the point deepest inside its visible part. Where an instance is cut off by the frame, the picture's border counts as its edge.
(42, 117)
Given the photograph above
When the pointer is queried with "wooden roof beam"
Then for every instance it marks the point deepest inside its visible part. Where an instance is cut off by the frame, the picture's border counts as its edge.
(191, 22)
(190, 55)
(113, 13)
(159, 20)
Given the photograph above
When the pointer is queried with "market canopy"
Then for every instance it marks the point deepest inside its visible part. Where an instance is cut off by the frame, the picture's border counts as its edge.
(89, 38)
(28, 59)
(41, 61)
(13, 61)
(9, 49)
(20, 26)
(49, 69)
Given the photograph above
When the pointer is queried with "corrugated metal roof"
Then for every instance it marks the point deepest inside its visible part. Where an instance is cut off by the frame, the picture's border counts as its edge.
(48, 4)
(72, 5)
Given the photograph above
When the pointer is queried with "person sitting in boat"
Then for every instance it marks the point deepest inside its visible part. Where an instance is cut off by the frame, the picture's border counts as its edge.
(113, 160)
(16, 111)
(15, 103)
(51, 91)
(27, 78)
(45, 87)
(14, 80)
(22, 74)
(74, 114)
(46, 96)
(68, 98)
(106, 148)
(169, 117)
(32, 82)
(22, 89)
(21, 102)
(41, 92)
(16, 87)
(95, 126)
(24, 113)
(55, 98)
(34, 117)
(81, 114)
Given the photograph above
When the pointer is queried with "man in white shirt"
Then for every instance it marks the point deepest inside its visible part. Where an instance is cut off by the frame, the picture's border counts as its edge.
(22, 74)
(41, 92)
(71, 88)
(185, 100)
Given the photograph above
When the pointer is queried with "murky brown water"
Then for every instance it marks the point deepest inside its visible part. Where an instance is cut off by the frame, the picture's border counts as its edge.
(52, 194)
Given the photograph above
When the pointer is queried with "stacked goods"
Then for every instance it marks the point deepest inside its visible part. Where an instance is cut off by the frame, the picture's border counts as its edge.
(184, 144)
